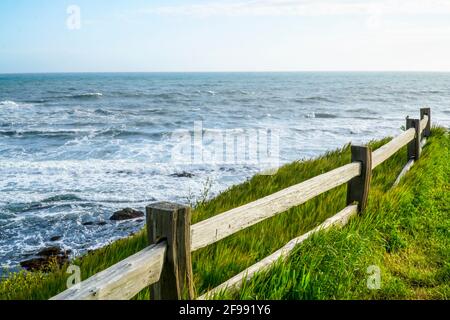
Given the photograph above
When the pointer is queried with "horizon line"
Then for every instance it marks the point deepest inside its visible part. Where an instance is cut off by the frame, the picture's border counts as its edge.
(230, 71)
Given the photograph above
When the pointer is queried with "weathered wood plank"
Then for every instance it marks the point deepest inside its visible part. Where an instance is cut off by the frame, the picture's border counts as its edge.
(123, 280)
(385, 152)
(424, 123)
(172, 222)
(426, 112)
(223, 225)
(408, 166)
(414, 145)
(234, 283)
(405, 169)
(423, 142)
(358, 187)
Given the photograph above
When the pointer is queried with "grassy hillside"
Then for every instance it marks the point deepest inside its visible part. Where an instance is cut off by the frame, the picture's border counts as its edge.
(405, 232)
(323, 267)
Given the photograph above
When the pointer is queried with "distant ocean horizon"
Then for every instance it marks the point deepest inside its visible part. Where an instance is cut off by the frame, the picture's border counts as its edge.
(75, 147)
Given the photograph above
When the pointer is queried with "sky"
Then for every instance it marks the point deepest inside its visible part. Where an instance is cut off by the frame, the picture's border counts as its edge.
(224, 35)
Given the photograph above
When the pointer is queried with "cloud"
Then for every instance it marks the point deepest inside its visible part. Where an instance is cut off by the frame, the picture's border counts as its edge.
(306, 8)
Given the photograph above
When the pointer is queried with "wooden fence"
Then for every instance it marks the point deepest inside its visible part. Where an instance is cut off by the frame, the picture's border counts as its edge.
(166, 266)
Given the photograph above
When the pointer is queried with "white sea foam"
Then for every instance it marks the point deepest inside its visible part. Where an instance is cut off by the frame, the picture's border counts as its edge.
(8, 103)
(90, 94)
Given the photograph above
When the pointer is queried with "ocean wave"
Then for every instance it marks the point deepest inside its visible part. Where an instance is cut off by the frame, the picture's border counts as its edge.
(124, 133)
(62, 197)
(417, 92)
(363, 110)
(37, 101)
(239, 92)
(38, 133)
(14, 104)
(89, 95)
(364, 118)
(321, 115)
(378, 99)
(9, 103)
(166, 95)
(313, 99)
(111, 132)
(26, 207)
(103, 112)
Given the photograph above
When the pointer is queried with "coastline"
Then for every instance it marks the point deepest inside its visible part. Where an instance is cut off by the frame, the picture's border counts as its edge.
(96, 260)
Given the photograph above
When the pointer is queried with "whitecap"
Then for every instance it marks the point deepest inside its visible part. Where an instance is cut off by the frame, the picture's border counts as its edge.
(9, 103)
(13, 104)
(87, 95)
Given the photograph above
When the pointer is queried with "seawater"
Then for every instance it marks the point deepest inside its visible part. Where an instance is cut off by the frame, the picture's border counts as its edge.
(74, 148)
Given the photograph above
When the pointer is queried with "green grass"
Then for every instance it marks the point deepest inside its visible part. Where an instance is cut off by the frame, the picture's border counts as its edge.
(330, 265)
(405, 232)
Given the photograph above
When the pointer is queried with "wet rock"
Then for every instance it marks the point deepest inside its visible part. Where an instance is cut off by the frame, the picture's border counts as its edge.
(55, 238)
(46, 258)
(50, 251)
(140, 220)
(102, 223)
(183, 174)
(126, 214)
(44, 263)
(34, 264)
(89, 223)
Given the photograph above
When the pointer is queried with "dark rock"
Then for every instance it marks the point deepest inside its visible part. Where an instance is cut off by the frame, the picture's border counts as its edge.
(126, 214)
(44, 263)
(89, 223)
(46, 258)
(183, 174)
(102, 223)
(50, 251)
(140, 220)
(35, 264)
(55, 238)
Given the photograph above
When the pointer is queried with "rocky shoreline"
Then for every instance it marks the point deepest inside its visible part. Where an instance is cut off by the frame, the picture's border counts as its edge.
(51, 256)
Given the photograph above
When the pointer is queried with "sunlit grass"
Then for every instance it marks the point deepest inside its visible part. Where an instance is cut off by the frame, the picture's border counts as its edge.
(405, 232)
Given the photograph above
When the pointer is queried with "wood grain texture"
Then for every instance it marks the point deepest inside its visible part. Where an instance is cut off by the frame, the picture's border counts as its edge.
(123, 280)
(223, 225)
(424, 123)
(426, 112)
(385, 152)
(236, 282)
(171, 222)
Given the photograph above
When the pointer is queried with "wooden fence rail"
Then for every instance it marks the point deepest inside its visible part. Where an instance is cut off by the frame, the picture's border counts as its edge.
(166, 264)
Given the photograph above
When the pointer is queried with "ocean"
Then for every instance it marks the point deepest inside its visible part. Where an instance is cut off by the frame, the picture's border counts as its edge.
(74, 148)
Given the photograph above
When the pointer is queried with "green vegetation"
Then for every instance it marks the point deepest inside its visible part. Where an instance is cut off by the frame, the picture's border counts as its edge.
(405, 231)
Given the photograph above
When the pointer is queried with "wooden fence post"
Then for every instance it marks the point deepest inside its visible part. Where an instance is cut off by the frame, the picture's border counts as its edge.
(414, 145)
(426, 112)
(172, 223)
(358, 188)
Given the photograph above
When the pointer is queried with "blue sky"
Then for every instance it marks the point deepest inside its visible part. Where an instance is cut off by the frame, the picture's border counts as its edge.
(220, 35)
